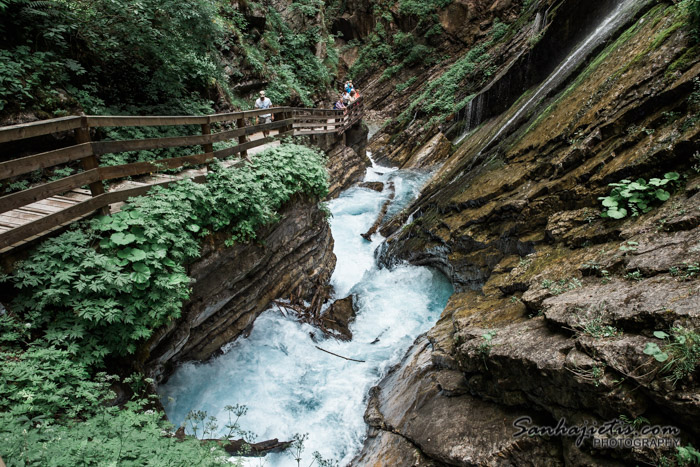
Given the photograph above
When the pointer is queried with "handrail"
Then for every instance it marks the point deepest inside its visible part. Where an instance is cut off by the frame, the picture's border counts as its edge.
(293, 121)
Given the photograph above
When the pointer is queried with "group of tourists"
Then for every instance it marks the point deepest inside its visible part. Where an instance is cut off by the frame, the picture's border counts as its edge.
(348, 97)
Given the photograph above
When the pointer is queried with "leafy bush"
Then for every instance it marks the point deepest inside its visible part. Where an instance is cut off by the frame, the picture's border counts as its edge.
(101, 289)
(635, 198)
(112, 436)
(44, 381)
(54, 411)
(681, 352)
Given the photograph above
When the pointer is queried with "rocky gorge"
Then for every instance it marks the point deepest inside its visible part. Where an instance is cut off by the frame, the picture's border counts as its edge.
(554, 305)
(510, 243)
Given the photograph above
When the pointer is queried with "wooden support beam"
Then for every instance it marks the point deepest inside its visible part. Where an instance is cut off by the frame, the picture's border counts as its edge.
(82, 136)
(208, 147)
(242, 139)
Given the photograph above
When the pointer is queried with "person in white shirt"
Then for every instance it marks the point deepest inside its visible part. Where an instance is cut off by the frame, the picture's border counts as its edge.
(264, 103)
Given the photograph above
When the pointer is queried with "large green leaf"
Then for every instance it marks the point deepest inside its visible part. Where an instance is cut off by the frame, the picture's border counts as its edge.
(662, 195)
(136, 254)
(141, 274)
(141, 267)
(616, 213)
(121, 238)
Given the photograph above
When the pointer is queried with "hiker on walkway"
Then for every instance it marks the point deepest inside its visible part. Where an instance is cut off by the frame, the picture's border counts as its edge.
(339, 105)
(346, 98)
(349, 87)
(353, 96)
(264, 103)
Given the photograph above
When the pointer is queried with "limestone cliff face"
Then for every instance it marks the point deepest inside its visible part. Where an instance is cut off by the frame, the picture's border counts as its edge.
(233, 285)
(555, 305)
(347, 162)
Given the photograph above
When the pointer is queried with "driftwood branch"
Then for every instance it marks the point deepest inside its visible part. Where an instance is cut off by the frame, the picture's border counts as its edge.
(346, 358)
(385, 207)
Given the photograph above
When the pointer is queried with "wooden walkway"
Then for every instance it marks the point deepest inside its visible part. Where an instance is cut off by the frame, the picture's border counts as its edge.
(34, 212)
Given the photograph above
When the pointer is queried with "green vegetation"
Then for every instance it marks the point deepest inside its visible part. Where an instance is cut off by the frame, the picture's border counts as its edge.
(297, 448)
(106, 51)
(629, 245)
(401, 50)
(687, 455)
(694, 18)
(593, 325)
(593, 375)
(96, 292)
(401, 87)
(54, 412)
(155, 56)
(686, 271)
(680, 352)
(636, 423)
(635, 275)
(99, 301)
(286, 57)
(421, 8)
(560, 286)
(438, 96)
(485, 347)
(635, 198)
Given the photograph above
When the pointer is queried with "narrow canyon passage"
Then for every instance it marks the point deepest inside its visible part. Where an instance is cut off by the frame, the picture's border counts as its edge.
(288, 384)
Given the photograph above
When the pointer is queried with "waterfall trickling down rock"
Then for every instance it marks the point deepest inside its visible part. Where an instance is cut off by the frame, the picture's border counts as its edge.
(625, 10)
(473, 116)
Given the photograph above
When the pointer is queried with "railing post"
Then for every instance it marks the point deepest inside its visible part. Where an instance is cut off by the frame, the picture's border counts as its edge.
(290, 115)
(240, 123)
(282, 115)
(206, 130)
(82, 135)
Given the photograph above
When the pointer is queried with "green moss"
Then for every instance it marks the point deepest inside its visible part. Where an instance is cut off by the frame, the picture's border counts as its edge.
(684, 61)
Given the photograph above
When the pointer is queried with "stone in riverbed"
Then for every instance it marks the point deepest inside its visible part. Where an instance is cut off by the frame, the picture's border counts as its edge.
(376, 186)
(338, 318)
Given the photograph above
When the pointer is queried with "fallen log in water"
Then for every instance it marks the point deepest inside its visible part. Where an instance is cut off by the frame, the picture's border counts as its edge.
(385, 207)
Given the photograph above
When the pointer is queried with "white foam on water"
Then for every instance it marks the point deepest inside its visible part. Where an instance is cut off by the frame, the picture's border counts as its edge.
(288, 384)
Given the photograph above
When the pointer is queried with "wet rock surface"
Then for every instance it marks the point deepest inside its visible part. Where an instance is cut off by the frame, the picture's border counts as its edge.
(554, 306)
(233, 285)
(347, 161)
(338, 317)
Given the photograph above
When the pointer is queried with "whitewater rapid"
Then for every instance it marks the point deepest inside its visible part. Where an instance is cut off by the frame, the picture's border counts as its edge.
(289, 385)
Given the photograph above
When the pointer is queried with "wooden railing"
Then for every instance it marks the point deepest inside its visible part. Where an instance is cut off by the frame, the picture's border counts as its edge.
(288, 121)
